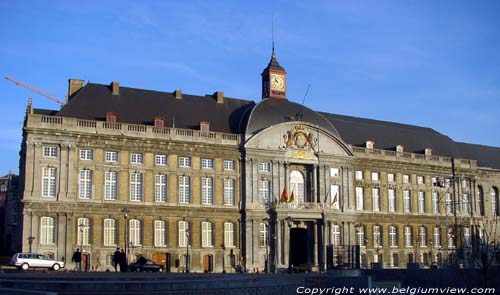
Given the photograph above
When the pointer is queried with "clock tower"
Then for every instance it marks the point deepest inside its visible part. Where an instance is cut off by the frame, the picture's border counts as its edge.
(274, 80)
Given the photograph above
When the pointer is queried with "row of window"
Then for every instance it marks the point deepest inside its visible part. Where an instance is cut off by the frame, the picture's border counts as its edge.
(135, 232)
(391, 177)
(136, 180)
(138, 158)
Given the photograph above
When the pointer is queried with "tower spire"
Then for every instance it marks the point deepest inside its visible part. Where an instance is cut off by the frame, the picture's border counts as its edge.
(272, 32)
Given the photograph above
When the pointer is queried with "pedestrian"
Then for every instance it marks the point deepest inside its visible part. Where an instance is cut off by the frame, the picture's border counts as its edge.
(116, 259)
(77, 259)
(123, 261)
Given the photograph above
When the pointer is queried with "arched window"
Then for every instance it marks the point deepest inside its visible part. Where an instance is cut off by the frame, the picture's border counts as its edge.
(393, 236)
(480, 198)
(297, 186)
(494, 201)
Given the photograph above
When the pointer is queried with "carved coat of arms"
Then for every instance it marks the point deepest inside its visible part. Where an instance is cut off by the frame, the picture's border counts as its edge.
(299, 137)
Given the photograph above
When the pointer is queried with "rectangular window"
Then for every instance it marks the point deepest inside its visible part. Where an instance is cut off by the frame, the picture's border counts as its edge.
(451, 238)
(467, 237)
(358, 175)
(110, 185)
(184, 162)
(360, 199)
(207, 191)
(393, 236)
(85, 184)
(229, 234)
(206, 234)
(465, 204)
(421, 202)
(184, 189)
(207, 164)
(335, 235)
(160, 188)
(264, 186)
(49, 182)
(136, 186)
(360, 231)
(422, 236)
(448, 203)
(375, 176)
(228, 165)
(87, 155)
(376, 199)
(263, 235)
(160, 233)
(264, 167)
(136, 158)
(406, 178)
(229, 192)
(183, 233)
(391, 200)
(83, 229)
(406, 201)
(47, 231)
(50, 151)
(161, 160)
(377, 236)
(420, 179)
(391, 178)
(334, 172)
(437, 237)
(135, 232)
(408, 237)
(111, 157)
(435, 202)
(109, 232)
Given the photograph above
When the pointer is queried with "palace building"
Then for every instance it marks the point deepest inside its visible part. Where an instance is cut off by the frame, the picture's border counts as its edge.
(212, 183)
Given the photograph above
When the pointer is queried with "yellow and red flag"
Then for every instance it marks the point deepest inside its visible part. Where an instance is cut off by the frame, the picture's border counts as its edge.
(284, 196)
(292, 198)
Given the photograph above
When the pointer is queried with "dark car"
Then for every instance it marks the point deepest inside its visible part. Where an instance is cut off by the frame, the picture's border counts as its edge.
(143, 264)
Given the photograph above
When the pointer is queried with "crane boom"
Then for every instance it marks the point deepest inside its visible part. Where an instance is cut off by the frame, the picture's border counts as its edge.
(34, 89)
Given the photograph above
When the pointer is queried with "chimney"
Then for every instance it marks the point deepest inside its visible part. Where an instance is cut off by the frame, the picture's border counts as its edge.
(219, 96)
(178, 93)
(115, 86)
(73, 86)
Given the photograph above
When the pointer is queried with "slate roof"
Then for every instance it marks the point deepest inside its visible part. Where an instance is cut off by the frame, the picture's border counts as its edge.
(138, 106)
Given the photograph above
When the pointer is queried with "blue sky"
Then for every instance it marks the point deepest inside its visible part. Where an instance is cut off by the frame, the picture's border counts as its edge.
(428, 63)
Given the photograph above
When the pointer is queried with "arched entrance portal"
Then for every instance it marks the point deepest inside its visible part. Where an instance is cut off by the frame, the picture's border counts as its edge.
(298, 246)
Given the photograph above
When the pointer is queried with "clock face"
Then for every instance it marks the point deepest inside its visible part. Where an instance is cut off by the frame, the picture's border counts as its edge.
(277, 82)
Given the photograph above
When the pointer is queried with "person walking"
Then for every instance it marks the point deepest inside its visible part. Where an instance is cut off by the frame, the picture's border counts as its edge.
(123, 261)
(116, 259)
(77, 259)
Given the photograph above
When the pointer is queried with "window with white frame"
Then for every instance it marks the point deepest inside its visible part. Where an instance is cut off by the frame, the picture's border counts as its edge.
(83, 229)
(160, 188)
(406, 201)
(206, 234)
(393, 236)
(420, 179)
(160, 233)
(391, 177)
(49, 182)
(110, 185)
(467, 237)
(408, 237)
(422, 236)
(360, 199)
(358, 174)
(435, 202)
(229, 234)
(297, 188)
(434, 180)
(111, 156)
(264, 167)
(136, 158)
(207, 191)
(437, 236)
(85, 191)
(228, 165)
(50, 151)
(494, 201)
(207, 164)
(109, 232)
(86, 155)
(376, 199)
(448, 203)
(375, 176)
(135, 232)
(136, 186)
(264, 195)
(47, 231)
(377, 236)
(406, 178)
(184, 189)
(451, 238)
(466, 203)
(391, 200)
(334, 172)
(263, 235)
(421, 202)
(183, 233)
(161, 160)
(360, 232)
(229, 192)
(336, 238)
(184, 162)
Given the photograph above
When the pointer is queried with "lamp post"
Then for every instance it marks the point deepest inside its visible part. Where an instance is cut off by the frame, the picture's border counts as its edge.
(82, 227)
(223, 258)
(187, 250)
(30, 241)
(125, 212)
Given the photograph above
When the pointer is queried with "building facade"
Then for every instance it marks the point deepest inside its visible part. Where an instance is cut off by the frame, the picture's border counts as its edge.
(211, 183)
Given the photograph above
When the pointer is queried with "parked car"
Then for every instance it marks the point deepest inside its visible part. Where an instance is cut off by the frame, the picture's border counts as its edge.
(26, 261)
(143, 264)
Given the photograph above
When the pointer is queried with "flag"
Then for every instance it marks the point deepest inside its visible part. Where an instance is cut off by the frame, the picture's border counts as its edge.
(335, 202)
(292, 199)
(284, 196)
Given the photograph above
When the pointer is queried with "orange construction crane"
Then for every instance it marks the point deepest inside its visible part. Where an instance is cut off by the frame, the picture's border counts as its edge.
(36, 90)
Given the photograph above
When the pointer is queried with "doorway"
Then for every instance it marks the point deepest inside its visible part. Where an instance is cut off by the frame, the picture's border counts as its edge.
(162, 259)
(298, 246)
(85, 261)
(208, 263)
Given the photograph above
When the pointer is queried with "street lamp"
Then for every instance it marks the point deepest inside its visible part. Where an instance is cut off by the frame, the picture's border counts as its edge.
(82, 227)
(30, 241)
(223, 258)
(126, 211)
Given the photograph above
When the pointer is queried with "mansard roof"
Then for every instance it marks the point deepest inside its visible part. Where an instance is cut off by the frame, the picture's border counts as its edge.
(138, 106)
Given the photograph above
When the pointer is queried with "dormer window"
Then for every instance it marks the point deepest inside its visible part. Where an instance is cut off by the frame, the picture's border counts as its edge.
(204, 126)
(111, 117)
(370, 144)
(159, 122)
(428, 152)
(400, 148)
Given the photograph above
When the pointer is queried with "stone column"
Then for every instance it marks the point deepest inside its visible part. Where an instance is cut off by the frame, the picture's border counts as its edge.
(315, 243)
(315, 188)
(278, 242)
(324, 242)
(286, 244)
